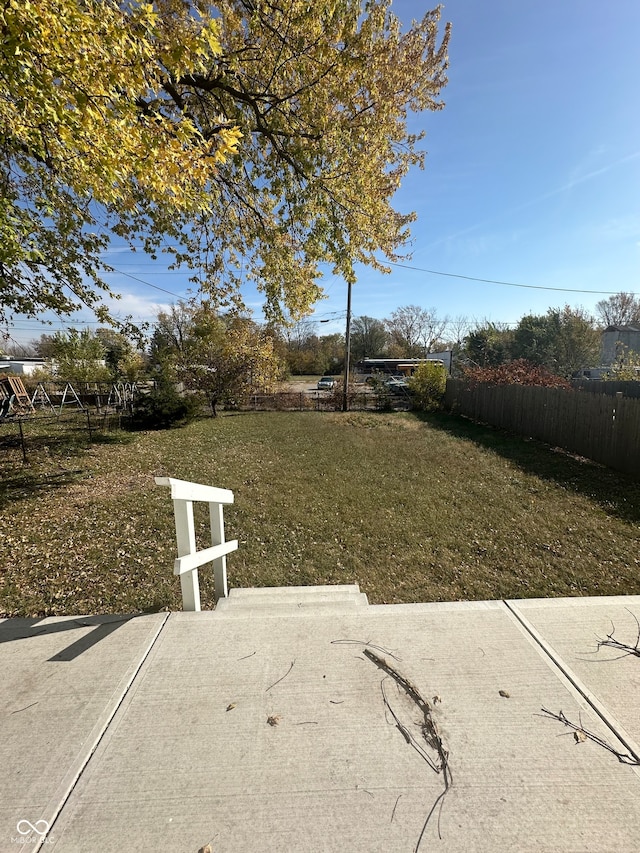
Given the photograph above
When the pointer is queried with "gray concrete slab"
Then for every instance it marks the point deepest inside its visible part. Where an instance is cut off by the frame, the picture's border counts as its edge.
(571, 629)
(270, 608)
(278, 601)
(61, 681)
(273, 735)
(296, 592)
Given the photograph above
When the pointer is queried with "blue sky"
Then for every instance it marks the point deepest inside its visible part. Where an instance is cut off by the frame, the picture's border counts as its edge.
(532, 175)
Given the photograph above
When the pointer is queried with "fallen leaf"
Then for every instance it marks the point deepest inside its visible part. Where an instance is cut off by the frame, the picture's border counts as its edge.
(206, 849)
(273, 720)
(579, 736)
(504, 694)
(231, 706)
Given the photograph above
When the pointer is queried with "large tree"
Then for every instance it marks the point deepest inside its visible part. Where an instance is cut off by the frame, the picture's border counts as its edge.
(621, 309)
(226, 356)
(123, 118)
(563, 340)
(368, 337)
(488, 345)
(91, 142)
(414, 331)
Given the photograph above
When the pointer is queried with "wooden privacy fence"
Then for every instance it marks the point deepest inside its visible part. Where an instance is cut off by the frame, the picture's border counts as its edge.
(604, 386)
(602, 428)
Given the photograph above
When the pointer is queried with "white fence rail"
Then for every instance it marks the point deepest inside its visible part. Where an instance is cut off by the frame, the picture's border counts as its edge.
(183, 494)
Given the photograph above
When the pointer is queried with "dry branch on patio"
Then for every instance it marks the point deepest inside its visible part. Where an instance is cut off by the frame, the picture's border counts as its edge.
(625, 648)
(583, 735)
(428, 727)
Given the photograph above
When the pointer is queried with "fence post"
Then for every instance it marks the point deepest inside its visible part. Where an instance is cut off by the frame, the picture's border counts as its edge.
(216, 517)
(186, 539)
(24, 448)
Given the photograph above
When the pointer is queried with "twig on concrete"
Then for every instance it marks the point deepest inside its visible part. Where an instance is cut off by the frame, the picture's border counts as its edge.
(280, 679)
(367, 644)
(393, 813)
(406, 734)
(626, 648)
(429, 730)
(438, 802)
(26, 707)
(584, 734)
(248, 656)
(394, 808)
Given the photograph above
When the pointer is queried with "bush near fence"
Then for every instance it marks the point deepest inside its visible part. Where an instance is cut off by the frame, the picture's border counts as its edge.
(597, 426)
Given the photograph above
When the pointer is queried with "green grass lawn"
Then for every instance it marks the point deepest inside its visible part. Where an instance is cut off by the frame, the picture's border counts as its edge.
(411, 509)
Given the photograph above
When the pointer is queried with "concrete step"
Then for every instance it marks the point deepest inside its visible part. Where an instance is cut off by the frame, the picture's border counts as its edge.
(325, 608)
(294, 592)
(292, 600)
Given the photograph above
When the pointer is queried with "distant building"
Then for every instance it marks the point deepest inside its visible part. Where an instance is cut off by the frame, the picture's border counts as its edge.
(615, 336)
(20, 366)
(402, 365)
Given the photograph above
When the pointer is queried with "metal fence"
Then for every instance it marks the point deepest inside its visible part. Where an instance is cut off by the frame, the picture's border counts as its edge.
(301, 401)
(24, 437)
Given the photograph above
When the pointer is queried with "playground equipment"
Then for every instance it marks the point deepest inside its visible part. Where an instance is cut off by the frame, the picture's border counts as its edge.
(14, 399)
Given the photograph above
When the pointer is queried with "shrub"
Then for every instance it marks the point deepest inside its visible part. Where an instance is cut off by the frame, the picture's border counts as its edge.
(518, 372)
(427, 386)
(163, 408)
(384, 399)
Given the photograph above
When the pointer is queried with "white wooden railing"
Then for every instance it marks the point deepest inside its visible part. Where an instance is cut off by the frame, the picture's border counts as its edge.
(189, 559)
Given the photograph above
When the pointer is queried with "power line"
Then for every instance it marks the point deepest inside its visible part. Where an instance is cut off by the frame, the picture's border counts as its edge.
(506, 283)
(420, 269)
(148, 283)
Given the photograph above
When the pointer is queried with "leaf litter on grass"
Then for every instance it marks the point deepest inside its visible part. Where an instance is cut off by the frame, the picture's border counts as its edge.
(406, 508)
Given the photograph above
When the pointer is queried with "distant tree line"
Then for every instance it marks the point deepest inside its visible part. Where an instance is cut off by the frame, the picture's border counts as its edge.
(228, 356)
(562, 341)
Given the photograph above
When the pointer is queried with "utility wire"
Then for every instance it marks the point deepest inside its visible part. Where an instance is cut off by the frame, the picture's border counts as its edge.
(430, 272)
(506, 283)
(148, 283)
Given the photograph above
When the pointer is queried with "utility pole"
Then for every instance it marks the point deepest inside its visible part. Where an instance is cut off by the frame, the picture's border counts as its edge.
(347, 354)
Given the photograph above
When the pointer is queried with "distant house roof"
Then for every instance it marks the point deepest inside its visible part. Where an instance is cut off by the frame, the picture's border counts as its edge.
(18, 359)
(622, 329)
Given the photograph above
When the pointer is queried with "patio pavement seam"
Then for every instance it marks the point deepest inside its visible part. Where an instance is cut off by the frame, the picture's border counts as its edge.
(594, 703)
(105, 728)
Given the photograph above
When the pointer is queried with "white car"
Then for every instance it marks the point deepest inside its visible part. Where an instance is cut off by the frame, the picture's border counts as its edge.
(327, 383)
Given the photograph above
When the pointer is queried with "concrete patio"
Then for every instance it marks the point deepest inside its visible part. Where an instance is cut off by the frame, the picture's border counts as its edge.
(272, 724)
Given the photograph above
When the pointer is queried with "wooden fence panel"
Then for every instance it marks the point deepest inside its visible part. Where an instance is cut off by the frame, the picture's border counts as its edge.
(630, 388)
(596, 426)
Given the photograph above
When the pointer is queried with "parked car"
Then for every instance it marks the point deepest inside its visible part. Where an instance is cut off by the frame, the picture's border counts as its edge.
(327, 383)
(396, 382)
(397, 385)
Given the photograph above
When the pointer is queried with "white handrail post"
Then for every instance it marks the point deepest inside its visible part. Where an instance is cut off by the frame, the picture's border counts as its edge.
(183, 494)
(217, 538)
(186, 539)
